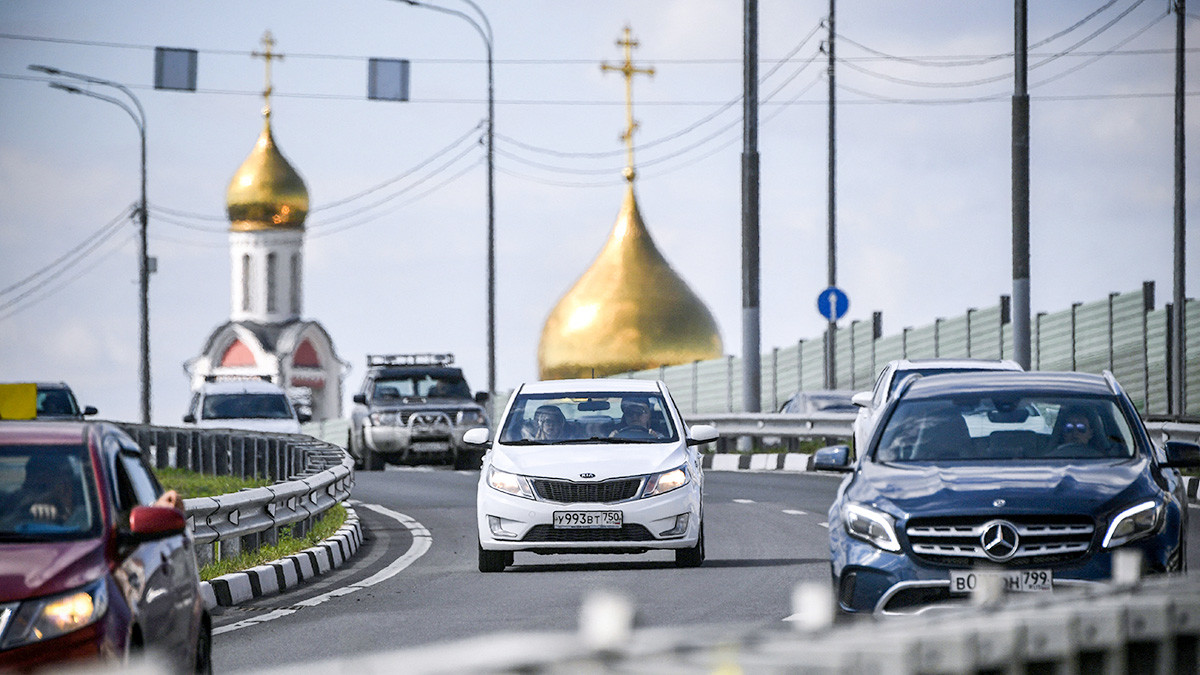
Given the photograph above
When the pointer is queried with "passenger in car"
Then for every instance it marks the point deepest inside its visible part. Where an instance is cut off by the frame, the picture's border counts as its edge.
(548, 423)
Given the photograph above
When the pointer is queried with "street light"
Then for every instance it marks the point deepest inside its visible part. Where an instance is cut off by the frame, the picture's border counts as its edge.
(485, 32)
(139, 118)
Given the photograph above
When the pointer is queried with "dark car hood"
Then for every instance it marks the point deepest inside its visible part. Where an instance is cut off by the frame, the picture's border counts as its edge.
(29, 570)
(1085, 486)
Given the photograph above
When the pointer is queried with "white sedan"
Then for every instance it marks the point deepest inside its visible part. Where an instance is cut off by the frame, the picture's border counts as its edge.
(591, 466)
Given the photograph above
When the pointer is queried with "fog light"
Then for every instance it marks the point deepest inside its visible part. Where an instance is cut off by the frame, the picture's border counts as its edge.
(680, 528)
(496, 525)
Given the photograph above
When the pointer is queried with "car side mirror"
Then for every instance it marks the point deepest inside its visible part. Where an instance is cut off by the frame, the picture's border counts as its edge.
(861, 399)
(476, 436)
(360, 398)
(1182, 455)
(832, 458)
(148, 523)
(481, 397)
(189, 418)
(304, 417)
(702, 433)
(90, 410)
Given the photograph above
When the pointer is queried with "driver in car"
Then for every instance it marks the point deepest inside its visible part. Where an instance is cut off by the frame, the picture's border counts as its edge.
(635, 420)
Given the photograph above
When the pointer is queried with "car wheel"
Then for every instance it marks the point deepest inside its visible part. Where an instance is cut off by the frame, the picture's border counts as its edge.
(459, 460)
(691, 557)
(494, 561)
(371, 460)
(358, 463)
(203, 661)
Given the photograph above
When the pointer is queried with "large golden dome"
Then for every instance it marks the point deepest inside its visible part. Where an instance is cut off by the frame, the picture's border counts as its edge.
(266, 193)
(629, 311)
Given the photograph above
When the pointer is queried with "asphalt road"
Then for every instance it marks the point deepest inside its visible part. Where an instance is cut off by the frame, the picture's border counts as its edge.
(415, 581)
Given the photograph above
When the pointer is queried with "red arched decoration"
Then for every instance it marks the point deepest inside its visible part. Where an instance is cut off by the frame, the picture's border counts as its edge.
(238, 354)
(306, 356)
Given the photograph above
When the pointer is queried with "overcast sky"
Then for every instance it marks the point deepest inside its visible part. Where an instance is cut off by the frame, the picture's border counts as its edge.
(396, 240)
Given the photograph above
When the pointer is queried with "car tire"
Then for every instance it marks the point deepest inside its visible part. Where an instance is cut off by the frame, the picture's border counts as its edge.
(691, 557)
(494, 561)
(371, 460)
(203, 660)
(358, 463)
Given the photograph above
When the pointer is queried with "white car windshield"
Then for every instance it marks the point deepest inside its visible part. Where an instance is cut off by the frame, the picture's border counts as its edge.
(609, 417)
(246, 406)
(975, 427)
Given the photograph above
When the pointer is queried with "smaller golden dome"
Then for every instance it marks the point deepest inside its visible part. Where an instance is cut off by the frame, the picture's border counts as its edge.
(266, 193)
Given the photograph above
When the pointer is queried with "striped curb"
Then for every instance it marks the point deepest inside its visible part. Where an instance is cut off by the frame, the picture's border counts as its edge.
(232, 589)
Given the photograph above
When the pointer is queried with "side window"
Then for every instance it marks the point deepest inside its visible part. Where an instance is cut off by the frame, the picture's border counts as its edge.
(136, 484)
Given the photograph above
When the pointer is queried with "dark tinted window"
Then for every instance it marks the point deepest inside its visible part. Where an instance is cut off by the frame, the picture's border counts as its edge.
(47, 492)
(246, 406)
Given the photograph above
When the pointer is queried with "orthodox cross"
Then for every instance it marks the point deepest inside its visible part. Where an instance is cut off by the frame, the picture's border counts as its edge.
(628, 70)
(267, 55)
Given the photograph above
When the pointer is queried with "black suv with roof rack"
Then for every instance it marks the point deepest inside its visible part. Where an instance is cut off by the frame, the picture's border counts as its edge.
(414, 409)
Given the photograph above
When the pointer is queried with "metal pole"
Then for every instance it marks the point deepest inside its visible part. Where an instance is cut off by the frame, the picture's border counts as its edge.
(751, 358)
(831, 247)
(1020, 193)
(485, 32)
(139, 119)
(1178, 328)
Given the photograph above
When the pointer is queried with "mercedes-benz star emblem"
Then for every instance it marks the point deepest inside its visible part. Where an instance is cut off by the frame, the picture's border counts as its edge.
(999, 540)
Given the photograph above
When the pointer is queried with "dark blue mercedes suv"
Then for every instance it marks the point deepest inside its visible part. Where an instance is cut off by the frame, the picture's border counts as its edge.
(1031, 480)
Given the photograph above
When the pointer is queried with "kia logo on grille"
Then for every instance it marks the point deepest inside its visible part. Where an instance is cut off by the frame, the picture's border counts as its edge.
(999, 540)
(587, 475)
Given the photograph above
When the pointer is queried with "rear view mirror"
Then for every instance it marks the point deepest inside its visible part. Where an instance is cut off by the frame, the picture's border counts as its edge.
(702, 433)
(1014, 416)
(476, 436)
(832, 458)
(861, 399)
(1182, 455)
(147, 523)
(593, 405)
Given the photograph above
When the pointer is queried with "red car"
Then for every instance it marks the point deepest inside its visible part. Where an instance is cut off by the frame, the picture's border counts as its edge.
(90, 567)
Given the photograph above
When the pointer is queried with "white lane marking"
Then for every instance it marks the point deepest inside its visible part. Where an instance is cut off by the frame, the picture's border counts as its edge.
(824, 525)
(422, 540)
(794, 512)
(743, 501)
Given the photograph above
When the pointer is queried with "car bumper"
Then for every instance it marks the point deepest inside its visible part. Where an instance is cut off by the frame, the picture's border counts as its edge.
(510, 523)
(869, 580)
(387, 440)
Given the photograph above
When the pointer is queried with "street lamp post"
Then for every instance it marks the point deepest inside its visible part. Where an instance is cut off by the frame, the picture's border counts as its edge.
(485, 32)
(139, 118)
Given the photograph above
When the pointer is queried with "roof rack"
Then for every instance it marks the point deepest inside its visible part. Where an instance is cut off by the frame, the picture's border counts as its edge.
(410, 359)
(234, 377)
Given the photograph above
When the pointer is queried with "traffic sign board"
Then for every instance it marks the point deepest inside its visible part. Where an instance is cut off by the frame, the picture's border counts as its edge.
(833, 303)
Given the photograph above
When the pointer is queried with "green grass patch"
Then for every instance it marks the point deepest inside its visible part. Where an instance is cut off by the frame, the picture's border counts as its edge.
(190, 484)
(326, 525)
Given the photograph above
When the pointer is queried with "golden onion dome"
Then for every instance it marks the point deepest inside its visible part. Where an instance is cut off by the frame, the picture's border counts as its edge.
(266, 193)
(629, 311)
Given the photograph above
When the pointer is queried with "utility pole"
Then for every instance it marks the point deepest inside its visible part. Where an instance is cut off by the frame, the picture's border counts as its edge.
(1020, 192)
(831, 246)
(1179, 299)
(751, 367)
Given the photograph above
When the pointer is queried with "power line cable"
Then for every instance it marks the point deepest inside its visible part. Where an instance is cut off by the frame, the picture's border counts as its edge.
(72, 256)
(49, 292)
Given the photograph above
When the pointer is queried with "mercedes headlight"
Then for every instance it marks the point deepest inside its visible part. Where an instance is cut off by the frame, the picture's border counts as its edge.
(662, 483)
(870, 525)
(509, 483)
(49, 617)
(1133, 523)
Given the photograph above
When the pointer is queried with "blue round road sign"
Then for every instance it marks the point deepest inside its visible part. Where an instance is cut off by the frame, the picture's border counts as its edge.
(833, 303)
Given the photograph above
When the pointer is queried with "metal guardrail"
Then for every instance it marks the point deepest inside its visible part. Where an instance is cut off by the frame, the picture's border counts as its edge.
(777, 425)
(310, 477)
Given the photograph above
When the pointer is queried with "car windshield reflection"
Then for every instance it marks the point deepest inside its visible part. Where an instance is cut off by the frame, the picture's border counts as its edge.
(609, 417)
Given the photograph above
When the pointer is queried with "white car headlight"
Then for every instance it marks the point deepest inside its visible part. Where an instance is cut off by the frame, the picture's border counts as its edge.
(509, 483)
(386, 419)
(45, 618)
(471, 418)
(661, 483)
(1134, 522)
(870, 525)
